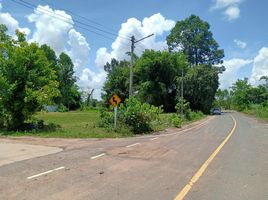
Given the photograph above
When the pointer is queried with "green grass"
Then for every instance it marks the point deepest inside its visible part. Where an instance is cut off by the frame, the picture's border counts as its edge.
(258, 111)
(165, 121)
(84, 124)
(75, 124)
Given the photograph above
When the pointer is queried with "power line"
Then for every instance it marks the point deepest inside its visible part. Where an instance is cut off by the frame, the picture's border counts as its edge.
(86, 19)
(62, 18)
(74, 20)
(67, 20)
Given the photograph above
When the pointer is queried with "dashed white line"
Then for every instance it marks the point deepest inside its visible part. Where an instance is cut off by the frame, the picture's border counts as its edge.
(132, 145)
(97, 156)
(44, 173)
(154, 138)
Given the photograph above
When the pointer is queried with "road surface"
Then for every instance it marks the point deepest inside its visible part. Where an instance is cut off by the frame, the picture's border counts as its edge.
(224, 157)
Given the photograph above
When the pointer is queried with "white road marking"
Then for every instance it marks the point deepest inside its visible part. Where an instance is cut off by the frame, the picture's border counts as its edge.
(44, 173)
(94, 157)
(132, 145)
(154, 138)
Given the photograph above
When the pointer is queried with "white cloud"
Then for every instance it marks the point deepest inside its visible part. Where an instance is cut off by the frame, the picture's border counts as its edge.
(260, 66)
(218, 4)
(11, 23)
(51, 27)
(240, 43)
(156, 24)
(102, 57)
(232, 13)
(90, 79)
(230, 8)
(229, 76)
(79, 51)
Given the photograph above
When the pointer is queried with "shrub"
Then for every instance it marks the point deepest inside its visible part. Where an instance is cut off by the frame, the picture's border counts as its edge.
(176, 121)
(62, 108)
(133, 116)
(106, 118)
(138, 116)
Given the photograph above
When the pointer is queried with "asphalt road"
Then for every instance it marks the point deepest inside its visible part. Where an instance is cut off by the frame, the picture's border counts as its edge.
(151, 168)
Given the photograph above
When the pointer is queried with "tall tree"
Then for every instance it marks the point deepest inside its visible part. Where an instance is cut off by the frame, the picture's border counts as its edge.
(67, 86)
(193, 37)
(51, 57)
(157, 73)
(26, 80)
(201, 84)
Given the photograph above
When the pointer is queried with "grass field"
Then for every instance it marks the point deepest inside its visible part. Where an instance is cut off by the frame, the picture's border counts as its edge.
(81, 124)
(76, 124)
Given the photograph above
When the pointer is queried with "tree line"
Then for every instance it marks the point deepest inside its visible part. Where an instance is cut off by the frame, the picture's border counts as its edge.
(242, 96)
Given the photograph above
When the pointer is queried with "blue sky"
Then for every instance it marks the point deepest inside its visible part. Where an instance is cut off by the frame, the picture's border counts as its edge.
(238, 25)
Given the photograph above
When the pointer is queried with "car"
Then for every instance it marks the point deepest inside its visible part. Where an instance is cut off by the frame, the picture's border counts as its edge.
(216, 111)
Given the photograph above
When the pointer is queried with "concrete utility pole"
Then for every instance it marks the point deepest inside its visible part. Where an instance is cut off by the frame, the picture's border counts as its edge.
(133, 41)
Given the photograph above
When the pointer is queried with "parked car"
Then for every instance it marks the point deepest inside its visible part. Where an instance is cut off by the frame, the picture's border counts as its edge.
(216, 111)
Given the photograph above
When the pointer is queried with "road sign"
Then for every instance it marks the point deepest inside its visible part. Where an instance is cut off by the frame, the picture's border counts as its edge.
(115, 100)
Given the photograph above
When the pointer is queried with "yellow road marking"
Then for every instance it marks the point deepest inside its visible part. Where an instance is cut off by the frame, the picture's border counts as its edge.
(202, 169)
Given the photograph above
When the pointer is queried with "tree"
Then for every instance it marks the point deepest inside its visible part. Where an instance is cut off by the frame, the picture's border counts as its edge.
(240, 94)
(51, 57)
(156, 74)
(193, 37)
(70, 97)
(223, 99)
(27, 82)
(117, 81)
(201, 84)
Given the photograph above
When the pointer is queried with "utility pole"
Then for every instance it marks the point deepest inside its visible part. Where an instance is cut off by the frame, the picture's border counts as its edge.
(133, 42)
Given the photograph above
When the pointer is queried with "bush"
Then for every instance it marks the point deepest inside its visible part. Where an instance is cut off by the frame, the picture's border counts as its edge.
(138, 116)
(62, 108)
(176, 121)
(194, 115)
(133, 116)
(106, 118)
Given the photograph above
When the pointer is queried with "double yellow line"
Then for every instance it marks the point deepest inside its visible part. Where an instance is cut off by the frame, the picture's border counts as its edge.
(203, 168)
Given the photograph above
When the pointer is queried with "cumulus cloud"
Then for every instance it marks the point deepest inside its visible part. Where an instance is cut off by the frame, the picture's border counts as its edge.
(240, 43)
(260, 66)
(230, 8)
(102, 57)
(90, 79)
(11, 23)
(232, 66)
(156, 24)
(51, 27)
(79, 51)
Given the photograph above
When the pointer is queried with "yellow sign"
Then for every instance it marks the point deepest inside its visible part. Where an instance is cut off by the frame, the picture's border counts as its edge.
(115, 100)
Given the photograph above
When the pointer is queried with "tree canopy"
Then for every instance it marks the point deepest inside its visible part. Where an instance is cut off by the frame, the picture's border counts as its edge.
(156, 73)
(193, 37)
(26, 79)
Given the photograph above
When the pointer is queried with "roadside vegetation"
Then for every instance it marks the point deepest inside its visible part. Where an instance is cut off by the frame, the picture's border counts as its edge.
(245, 98)
(171, 87)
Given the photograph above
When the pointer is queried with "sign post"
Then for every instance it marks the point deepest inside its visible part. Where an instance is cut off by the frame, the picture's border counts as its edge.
(115, 116)
(114, 101)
